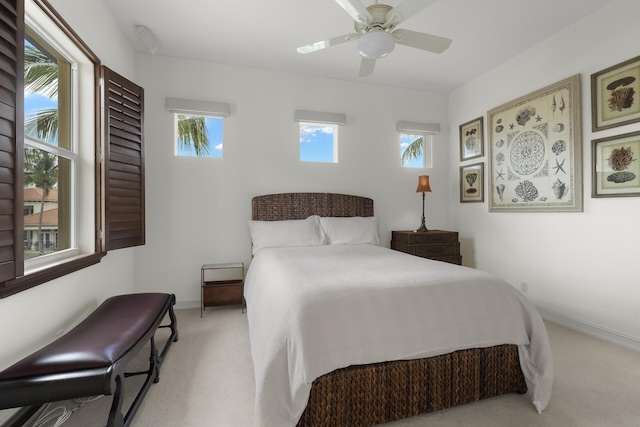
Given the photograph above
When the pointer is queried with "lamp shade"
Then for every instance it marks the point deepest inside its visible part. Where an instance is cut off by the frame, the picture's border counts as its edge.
(376, 44)
(423, 184)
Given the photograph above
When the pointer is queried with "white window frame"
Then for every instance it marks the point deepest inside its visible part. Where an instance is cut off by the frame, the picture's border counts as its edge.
(196, 108)
(176, 140)
(334, 135)
(427, 131)
(306, 118)
(81, 155)
(427, 149)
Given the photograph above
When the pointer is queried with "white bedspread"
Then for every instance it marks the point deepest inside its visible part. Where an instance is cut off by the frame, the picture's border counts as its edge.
(313, 310)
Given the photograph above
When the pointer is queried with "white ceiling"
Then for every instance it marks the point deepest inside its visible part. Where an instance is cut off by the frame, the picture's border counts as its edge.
(265, 34)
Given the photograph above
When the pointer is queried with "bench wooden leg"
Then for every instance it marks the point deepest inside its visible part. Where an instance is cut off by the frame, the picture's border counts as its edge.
(115, 415)
(153, 376)
(174, 333)
(154, 361)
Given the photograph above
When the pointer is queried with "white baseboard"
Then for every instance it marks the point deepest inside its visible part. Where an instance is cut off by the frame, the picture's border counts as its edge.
(187, 304)
(596, 331)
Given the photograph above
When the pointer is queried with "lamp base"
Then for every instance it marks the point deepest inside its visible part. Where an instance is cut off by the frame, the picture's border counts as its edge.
(422, 228)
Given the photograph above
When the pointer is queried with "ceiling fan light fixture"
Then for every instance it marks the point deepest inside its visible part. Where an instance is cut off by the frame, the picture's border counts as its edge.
(376, 44)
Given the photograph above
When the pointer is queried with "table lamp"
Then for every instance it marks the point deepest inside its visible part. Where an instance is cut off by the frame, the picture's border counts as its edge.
(423, 187)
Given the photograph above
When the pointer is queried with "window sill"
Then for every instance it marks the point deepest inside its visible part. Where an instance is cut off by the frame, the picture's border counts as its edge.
(20, 284)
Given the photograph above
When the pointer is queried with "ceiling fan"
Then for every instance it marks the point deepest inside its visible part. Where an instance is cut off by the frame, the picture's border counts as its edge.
(377, 34)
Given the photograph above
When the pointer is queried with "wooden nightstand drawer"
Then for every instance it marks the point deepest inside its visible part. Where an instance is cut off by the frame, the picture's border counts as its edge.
(429, 237)
(439, 245)
(222, 293)
(428, 251)
(221, 284)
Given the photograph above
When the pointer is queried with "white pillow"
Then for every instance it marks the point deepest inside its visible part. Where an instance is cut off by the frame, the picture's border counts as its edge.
(351, 231)
(299, 232)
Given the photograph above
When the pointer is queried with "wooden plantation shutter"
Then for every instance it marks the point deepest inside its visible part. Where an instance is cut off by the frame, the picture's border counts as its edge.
(11, 139)
(124, 223)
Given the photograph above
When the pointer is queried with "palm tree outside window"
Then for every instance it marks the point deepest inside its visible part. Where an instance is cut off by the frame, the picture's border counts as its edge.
(415, 150)
(48, 155)
(199, 136)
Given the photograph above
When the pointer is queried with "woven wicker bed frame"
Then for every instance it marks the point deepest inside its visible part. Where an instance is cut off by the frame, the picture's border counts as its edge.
(365, 395)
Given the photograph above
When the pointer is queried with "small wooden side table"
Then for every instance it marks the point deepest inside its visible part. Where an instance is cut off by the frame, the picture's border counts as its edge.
(225, 288)
(439, 245)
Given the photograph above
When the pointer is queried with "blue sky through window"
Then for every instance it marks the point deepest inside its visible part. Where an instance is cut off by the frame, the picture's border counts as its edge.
(214, 133)
(405, 141)
(34, 102)
(316, 143)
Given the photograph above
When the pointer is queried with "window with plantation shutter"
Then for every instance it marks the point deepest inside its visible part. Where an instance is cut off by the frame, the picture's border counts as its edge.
(124, 162)
(60, 211)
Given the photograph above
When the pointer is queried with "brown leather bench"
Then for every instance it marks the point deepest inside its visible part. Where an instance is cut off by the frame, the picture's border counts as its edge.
(90, 359)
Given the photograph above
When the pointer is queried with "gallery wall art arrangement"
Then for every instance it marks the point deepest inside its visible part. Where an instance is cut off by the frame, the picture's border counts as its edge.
(535, 145)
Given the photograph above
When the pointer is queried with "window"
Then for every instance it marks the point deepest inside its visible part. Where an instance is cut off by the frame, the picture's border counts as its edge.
(51, 186)
(198, 126)
(416, 143)
(59, 82)
(318, 142)
(50, 149)
(199, 136)
(318, 137)
(415, 151)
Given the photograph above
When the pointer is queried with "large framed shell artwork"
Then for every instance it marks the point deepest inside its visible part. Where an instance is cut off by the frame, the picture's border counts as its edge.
(616, 168)
(535, 151)
(615, 95)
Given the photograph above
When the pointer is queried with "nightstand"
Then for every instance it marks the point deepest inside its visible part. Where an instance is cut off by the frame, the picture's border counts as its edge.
(221, 284)
(433, 244)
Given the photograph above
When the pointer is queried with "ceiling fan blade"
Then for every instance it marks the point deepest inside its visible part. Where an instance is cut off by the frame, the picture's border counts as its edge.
(356, 10)
(366, 67)
(406, 10)
(314, 47)
(422, 41)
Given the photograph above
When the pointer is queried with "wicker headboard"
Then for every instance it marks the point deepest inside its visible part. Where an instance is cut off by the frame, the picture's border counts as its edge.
(278, 207)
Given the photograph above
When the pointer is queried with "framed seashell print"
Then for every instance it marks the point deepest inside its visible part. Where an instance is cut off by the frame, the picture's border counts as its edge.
(472, 183)
(615, 95)
(472, 139)
(535, 151)
(616, 168)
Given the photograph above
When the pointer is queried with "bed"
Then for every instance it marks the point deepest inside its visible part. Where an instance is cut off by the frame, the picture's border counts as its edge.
(348, 333)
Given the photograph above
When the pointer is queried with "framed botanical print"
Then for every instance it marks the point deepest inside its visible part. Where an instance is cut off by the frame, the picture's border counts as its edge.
(615, 95)
(535, 151)
(616, 168)
(471, 139)
(472, 183)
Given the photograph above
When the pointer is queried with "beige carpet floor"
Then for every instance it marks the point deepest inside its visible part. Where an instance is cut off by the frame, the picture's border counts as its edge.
(207, 380)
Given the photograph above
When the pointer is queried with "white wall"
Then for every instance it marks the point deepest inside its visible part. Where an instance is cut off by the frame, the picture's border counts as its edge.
(581, 266)
(578, 265)
(32, 318)
(93, 22)
(197, 208)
